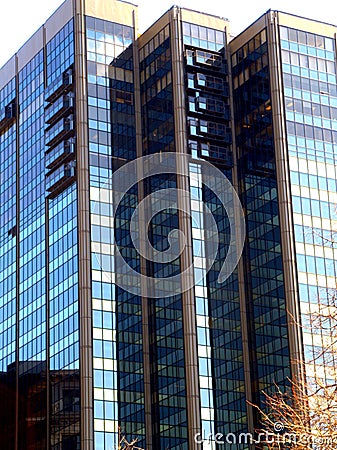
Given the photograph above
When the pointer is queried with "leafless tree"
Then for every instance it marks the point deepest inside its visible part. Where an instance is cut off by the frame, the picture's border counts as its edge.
(304, 415)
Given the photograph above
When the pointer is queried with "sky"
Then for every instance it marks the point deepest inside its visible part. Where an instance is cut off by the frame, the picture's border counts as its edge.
(19, 19)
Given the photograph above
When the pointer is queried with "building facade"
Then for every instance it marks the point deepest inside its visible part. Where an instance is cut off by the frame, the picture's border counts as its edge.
(87, 355)
(288, 90)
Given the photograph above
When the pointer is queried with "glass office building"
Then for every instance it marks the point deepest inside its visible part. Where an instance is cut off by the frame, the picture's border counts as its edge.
(85, 359)
(284, 94)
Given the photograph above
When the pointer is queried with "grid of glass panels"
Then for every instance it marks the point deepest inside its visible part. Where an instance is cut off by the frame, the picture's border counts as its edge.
(32, 321)
(309, 77)
(129, 328)
(168, 383)
(63, 320)
(203, 37)
(117, 319)
(207, 96)
(264, 290)
(220, 327)
(8, 240)
(167, 358)
(8, 233)
(60, 52)
(32, 214)
(221, 373)
(156, 94)
(202, 307)
(32, 303)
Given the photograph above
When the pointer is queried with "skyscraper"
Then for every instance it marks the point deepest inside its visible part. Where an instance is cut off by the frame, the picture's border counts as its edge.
(284, 94)
(102, 337)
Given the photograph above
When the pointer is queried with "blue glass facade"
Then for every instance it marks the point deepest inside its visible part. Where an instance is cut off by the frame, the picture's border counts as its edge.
(284, 81)
(309, 77)
(117, 321)
(219, 341)
(160, 366)
(167, 359)
(264, 280)
(8, 287)
(32, 293)
(63, 292)
(40, 360)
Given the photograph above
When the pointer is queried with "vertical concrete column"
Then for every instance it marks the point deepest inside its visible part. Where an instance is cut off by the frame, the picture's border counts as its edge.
(84, 242)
